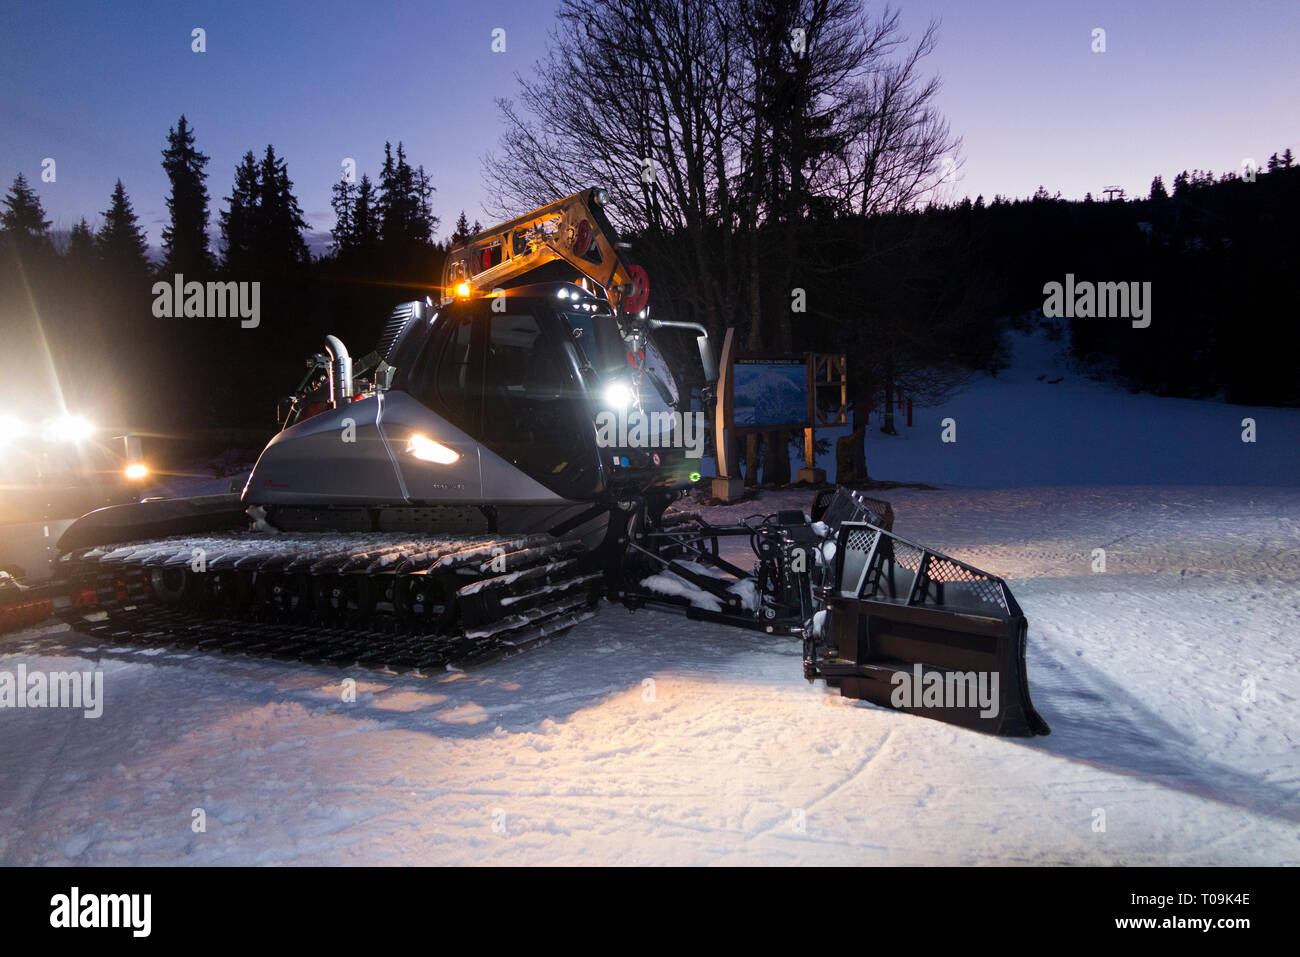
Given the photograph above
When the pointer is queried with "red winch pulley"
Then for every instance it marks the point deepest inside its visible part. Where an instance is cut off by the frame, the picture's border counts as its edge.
(636, 300)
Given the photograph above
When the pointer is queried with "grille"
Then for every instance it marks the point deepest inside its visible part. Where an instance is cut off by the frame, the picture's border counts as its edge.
(897, 566)
(402, 314)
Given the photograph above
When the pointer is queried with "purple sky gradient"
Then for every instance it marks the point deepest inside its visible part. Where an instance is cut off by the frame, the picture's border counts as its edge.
(96, 86)
(1183, 84)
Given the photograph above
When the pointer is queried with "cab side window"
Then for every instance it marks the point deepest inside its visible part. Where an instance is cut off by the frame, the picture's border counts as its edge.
(445, 378)
(454, 382)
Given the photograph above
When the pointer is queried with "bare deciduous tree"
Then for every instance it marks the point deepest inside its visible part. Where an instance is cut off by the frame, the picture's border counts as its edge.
(722, 129)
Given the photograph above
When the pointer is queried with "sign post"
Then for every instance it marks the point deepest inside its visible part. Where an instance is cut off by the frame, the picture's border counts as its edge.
(828, 405)
(770, 392)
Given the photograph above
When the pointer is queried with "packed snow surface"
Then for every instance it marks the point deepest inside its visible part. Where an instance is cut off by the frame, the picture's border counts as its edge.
(1169, 680)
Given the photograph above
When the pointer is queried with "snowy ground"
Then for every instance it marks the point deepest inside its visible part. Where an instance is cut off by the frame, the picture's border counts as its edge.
(647, 739)
(1170, 682)
(1040, 422)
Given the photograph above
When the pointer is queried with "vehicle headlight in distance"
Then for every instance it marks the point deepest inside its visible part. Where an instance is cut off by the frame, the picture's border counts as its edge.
(137, 470)
(618, 394)
(12, 429)
(70, 428)
(427, 450)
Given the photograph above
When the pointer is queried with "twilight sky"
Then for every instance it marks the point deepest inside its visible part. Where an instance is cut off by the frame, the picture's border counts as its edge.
(95, 86)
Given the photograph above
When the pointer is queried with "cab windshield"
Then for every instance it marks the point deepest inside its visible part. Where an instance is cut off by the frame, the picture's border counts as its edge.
(597, 340)
(596, 337)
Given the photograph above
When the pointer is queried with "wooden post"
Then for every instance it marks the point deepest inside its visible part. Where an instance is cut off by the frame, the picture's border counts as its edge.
(724, 407)
(810, 472)
(727, 485)
(809, 433)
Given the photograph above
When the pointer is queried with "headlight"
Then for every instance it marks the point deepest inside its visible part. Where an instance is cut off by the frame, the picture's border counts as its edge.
(70, 428)
(11, 429)
(427, 450)
(618, 395)
(137, 470)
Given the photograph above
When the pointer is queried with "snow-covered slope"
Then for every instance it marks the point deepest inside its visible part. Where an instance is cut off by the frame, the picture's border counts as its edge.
(1018, 429)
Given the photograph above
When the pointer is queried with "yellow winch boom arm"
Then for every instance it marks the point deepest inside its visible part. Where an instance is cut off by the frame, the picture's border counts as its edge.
(575, 230)
(490, 258)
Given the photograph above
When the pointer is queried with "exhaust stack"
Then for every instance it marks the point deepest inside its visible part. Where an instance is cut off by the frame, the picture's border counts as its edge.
(340, 371)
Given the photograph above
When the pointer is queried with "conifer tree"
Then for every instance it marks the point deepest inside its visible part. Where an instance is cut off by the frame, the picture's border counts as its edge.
(462, 228)
(238, 219)
(23, 226)
(406, 219)
(279, 219)
(120, 243)
(80, 253)
(185, 238)
(366, 216)
(343, 201)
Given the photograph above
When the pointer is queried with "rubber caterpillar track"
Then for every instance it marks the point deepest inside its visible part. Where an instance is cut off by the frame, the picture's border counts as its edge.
(415, 605)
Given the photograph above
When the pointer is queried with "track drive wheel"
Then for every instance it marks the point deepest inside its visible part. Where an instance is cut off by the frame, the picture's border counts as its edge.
(425, 602)
(344, 599)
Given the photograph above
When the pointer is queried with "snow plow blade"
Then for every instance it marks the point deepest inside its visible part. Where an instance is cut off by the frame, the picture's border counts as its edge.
(911, 629)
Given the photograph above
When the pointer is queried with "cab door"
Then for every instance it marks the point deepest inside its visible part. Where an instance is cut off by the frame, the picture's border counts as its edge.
(432, 418)
(534, 413)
